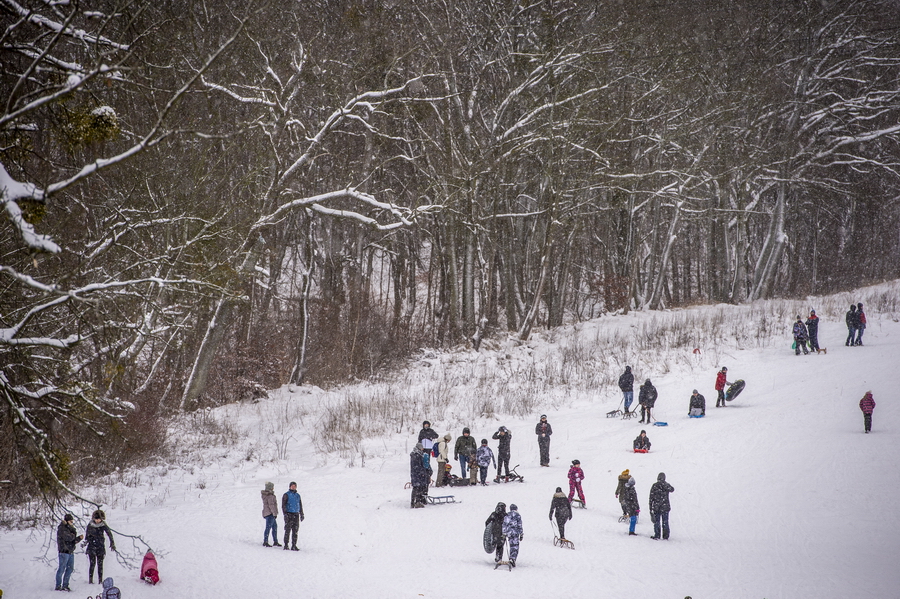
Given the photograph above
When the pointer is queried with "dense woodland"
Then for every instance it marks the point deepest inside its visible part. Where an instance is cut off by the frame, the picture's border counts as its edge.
(202, 199)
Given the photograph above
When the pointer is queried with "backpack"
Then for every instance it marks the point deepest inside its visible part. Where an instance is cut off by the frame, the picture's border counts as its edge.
(113, 593)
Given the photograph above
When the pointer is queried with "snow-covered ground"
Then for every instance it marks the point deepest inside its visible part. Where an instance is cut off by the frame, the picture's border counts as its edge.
(779, 495)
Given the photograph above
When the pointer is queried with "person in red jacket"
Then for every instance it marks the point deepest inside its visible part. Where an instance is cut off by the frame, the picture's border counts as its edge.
(867, 405)
(720, 387)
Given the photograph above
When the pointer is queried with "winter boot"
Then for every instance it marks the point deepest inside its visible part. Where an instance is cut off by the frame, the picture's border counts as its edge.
(90, 580)
(294, 548)
(276, 544)
(285, 546)
(266, 544)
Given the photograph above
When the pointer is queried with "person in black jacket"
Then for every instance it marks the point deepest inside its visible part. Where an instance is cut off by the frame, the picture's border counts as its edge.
(495, 521)
(647, 398)
(419, 475)
(852, 321)
(543, 430)
(561, 507)
(427, 436)
(66, 540)
(504, 436)
(629, 500)
(626, 384)
(96, 546)
(812, 327)
(659, 505)
(642, 441)
(697, 405)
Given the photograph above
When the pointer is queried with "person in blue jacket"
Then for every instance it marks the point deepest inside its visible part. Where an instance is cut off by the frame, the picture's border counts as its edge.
(292, 508)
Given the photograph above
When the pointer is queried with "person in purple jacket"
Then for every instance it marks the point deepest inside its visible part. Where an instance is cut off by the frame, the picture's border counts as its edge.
(867, 405)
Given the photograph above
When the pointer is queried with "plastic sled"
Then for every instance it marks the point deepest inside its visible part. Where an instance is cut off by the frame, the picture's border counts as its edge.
(659, 423)
(735, 389)
(697, 416)
(641, 451)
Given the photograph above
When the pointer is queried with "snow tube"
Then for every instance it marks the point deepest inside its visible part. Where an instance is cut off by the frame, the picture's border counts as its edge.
(734, 390)
(641, 451)
(489, 544)
(149, 569)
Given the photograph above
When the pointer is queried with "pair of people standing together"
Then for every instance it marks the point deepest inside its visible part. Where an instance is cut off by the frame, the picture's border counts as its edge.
(646, 397)
(292, 506)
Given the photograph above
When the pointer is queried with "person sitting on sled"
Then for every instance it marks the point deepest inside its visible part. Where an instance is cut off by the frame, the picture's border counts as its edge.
(697, 405)
(642, 442)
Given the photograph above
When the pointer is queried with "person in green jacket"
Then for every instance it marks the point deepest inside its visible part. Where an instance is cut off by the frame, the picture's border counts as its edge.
(465, 447)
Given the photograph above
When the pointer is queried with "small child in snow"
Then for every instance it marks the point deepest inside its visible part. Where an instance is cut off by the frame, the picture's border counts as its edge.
(576, 475)
(514, 532)
(485, 457)
(473, 467)
(867, 405)
(110, 591)
(642, 441)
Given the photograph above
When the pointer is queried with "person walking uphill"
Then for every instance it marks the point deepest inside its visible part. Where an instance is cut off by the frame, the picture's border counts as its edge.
(800, 337)
(292, 508)
(543, 430)
(721, 381)
(576, 475)
(659, 506)
(561, 507)
(812, 327)
(96, 546)
(626, 384)
(504, 436)
(852, 324)
(514, 532)
(647, 398)
(867, 405)
(270, 513)
(620, 489)
(495, 521)
(66, 540)
(465, 446)
(629, 501)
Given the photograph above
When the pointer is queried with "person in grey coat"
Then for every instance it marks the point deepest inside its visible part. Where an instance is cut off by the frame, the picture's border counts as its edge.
(659, 505)
(270, 513)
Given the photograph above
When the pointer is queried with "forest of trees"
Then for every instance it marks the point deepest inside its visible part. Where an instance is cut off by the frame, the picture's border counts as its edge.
(202, 199)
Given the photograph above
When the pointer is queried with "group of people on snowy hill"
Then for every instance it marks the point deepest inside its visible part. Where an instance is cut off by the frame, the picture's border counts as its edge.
(506, 527)
(291, 507)
(67, 538)
(626, 493)
(856, 324)
(806, 333)
(646, 396)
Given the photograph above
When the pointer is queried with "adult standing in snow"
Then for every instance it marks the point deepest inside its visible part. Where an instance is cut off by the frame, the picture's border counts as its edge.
(270, 513)
(504, 437)
(514, 532)
(576, 475)
(66, 540)
(647, 398)
(697, 406)
(642, 442)
(292, 508)
(427, 436)
(626, 384)
(867, 405)
(96, 545)
(465, 446)
(419, 475)
(620, 489)
(860, 324)
(800, 337)
(562, 509)
(442, 459)
(812, 327)
(629, 501)
(485, 457)
(543, 430)
(495, 521)
(659, 506)
(852, 325)
(721, 381)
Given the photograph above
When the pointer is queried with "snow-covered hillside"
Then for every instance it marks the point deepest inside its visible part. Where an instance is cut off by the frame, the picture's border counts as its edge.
(779, 495)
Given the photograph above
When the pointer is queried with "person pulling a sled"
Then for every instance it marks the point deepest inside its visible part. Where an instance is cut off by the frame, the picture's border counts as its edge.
(626, 384)
(543, 430)
(647, 398)
(495, 521)
(642, 442)
(697, 404)
(562, 509)
(659, 506)
(514, 532)
(721, 382)
(576, 475)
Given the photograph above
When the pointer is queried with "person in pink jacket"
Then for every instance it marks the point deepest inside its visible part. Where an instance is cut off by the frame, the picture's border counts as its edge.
(576, 475)
(867, 405)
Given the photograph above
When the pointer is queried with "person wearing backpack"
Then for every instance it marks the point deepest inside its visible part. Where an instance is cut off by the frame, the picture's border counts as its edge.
(110, 591)
(96, 547)
(292, 507)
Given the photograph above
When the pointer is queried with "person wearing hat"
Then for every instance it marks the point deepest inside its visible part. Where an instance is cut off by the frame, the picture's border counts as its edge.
(419, 477)
(543, 430)
(620, 489)
(514, 532)
(867, 405)
(576, 475)
(800, 337)
(292, 508)
(721, 381)
(812, 327)
(647, 398)
(495, 521)
(465, 446)
(626, 384)
(270, 513)
(852, 324)
(642, 442)
(561, 507)
(504, 436)
(860, 324)
(629, 501)
(443, 457)
(66, 540)
(96, 546)
(484, 457)
(659, 506)
(697, 405)
(427, 436)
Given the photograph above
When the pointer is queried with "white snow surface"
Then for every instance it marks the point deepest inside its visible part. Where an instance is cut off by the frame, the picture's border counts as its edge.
(779, 495)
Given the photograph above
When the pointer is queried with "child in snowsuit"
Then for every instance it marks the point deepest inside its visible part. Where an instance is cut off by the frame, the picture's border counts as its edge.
(720, 388)
(504, 436)
(576, 475)
(563, 509)
(485, 457)
(642, 441)
(629, 501)
(473, 468)
(659, 505)
(270, 513)
(110, 591)
(800, 337)
(620, 489)
(867, 405)
(514, 532)
(96, 547)
(495, 521)
(697, 405)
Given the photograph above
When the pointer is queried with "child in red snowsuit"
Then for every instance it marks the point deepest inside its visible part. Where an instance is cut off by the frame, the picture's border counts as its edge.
(576, 475)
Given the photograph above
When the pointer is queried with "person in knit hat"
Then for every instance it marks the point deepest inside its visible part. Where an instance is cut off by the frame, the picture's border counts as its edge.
(292, 508)
(642, 442)
(66, 540)
(96, 546)
(867, 405)
(514, 532)
(576, 475)
(629, 500)
(443, 457)
(270, 513)
(562, 509)
(427, 436)
(620, 489)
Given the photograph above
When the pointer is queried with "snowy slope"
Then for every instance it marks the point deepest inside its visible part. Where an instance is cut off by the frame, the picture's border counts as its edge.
(778, 495)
